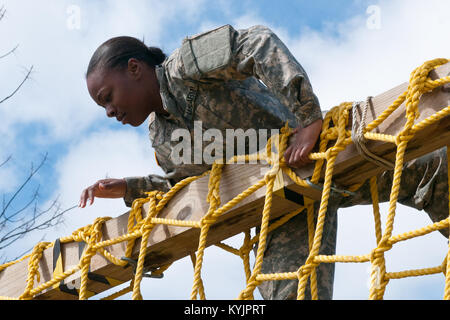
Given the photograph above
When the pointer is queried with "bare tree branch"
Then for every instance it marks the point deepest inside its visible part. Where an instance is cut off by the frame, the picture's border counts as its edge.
(33, 198)
(27, 227)
(8, 53)
(4, 162)
(28, 218)
(20, 85)
(25, 252)
(32, 173)
(2, 12)
(9, 218)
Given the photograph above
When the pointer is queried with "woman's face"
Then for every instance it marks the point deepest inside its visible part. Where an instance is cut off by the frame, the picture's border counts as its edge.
(129, 95)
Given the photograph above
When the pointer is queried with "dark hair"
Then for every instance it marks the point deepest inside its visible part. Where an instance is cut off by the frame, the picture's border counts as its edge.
(115, 53)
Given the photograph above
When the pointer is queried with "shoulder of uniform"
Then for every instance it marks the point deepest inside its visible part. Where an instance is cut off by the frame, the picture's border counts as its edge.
(211, 31)
(173, 65)
(151, 118)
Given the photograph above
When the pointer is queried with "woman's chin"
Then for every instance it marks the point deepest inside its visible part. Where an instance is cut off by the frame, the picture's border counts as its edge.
(136, 123)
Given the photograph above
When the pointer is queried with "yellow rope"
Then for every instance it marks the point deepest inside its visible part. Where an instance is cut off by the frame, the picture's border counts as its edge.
(447, 263)
(333, 139)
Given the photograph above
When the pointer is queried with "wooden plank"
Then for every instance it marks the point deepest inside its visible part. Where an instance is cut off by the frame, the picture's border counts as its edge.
(170, 243)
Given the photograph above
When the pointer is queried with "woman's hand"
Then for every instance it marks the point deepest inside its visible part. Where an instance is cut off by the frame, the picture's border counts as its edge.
(105, 188)
(296, 155)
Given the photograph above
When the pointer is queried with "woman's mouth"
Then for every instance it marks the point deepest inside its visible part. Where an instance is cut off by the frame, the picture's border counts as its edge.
(122, 117)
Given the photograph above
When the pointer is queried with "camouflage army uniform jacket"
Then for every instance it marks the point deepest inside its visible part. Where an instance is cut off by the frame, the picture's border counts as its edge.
(227, 79)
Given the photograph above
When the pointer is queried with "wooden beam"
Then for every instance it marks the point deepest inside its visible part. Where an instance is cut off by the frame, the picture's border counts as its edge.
(170, 243)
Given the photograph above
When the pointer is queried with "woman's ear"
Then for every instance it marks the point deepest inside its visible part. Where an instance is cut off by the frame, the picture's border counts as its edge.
(134, 68)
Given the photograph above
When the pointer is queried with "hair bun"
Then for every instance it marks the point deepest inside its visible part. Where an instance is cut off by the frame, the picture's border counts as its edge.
(116, 52)
(157, 55)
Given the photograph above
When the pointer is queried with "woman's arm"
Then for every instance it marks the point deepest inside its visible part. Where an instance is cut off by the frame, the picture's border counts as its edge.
(129, 188)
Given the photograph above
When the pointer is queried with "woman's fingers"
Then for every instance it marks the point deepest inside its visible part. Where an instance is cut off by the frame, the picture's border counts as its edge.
(304, 154)
(296, 160)
(292, 156)
(91, 195)
(81, 204)
(106, 188)
(287, 154)
(297, 155)
(83, 198)
(88, 195)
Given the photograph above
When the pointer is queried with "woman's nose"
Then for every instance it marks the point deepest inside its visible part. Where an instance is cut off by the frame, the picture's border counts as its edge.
(110, 111)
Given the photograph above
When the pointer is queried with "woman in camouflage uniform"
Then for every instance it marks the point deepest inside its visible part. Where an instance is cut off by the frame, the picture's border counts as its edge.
(230, 79)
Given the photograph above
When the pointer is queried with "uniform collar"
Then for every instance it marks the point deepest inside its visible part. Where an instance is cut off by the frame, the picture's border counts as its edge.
(162, 81)
(168, 103)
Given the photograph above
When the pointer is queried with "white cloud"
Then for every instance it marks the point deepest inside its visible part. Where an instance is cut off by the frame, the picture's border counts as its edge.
(362, 61)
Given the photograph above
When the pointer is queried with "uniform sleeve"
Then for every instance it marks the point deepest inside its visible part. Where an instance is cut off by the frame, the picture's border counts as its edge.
(137, 186)
(160, 133)
(226, 53)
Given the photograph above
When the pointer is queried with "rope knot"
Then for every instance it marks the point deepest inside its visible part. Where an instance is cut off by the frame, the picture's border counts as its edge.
(380, 250)
(209, 221)
(405, 136)
(286, 130)
(306, 269)
(146, 227)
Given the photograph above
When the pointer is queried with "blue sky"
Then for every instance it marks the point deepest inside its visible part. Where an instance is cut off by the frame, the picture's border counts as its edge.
(345, 59)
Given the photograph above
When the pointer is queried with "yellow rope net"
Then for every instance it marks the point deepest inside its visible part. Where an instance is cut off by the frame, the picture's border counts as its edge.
(139, 227)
